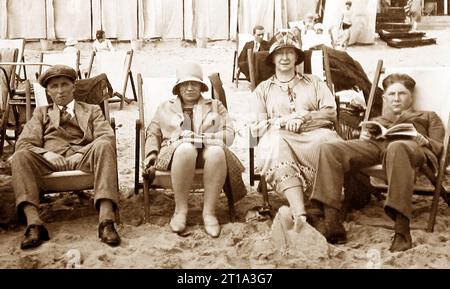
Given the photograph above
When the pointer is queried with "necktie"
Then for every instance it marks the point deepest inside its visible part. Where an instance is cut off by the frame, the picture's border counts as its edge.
(256, 48)
(65, 115)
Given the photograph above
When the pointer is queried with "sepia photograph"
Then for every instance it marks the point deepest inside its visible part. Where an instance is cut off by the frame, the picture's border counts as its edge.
(224, 134)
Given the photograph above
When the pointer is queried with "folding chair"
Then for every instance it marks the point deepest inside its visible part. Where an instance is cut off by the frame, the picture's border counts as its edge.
(7, 82)
(431, 94)
(242, 39)
(117, 66)
(20, 45)
(72, 180)
(151, 92)
(71, 59)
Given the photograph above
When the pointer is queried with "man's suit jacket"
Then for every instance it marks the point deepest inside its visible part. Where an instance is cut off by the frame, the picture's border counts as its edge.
(43, 133)
(426, 123)
(265, 46)
(210, 118)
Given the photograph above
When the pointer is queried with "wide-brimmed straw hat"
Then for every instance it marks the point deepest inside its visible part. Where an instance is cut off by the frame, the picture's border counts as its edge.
(189, 71)
(285, 39)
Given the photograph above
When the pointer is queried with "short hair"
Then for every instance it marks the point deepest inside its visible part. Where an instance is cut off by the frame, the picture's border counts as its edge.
(99, 34)
(257, 27)
(402, 78)
(348, 3)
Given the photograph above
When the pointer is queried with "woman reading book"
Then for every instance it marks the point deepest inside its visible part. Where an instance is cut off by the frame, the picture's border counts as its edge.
(400, 156)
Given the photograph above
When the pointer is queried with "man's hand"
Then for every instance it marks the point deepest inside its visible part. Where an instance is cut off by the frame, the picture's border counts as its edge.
(74, 160)
(421, 140)
(58, 161)
(367, 134)
(293, 125)
(149, 161)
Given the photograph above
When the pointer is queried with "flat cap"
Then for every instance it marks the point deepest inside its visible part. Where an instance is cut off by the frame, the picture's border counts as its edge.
(57, 70)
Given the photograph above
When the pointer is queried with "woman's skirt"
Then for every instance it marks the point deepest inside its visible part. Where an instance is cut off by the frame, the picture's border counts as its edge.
(289, 159)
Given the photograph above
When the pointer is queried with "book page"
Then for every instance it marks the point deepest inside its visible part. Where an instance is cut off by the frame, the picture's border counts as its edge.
(403, 129)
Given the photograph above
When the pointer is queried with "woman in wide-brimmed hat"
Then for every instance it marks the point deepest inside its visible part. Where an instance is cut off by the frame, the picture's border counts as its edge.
(295, 112)
(189, 132)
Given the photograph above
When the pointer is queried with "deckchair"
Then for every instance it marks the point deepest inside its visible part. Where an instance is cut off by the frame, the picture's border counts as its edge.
(71, 59)
(20, 45)
(316, 62)
(72, 180)
(242, 38)
(152, 91)
(117, 66)
(7, 82)
(431, 94)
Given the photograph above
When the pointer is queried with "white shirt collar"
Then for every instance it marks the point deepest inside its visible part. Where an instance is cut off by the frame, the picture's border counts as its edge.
(70, 108)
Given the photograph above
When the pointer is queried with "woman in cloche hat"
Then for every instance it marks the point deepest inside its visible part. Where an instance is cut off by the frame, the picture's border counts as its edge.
(295, 113)
(190, 132)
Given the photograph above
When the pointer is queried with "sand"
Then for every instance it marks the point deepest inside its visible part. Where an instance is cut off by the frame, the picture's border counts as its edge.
(247, 243)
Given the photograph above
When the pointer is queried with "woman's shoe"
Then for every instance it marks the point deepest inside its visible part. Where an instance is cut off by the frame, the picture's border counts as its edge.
(178, 223)
(212, 226)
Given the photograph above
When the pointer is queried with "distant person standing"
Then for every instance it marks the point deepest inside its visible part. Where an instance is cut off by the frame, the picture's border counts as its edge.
(346, 23)
(413, 10)
(101, 43)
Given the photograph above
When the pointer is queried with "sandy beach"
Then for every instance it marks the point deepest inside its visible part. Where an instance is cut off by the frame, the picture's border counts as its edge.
(246, 243)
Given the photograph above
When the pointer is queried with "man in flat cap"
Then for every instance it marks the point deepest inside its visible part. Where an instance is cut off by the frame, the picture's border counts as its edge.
(65, 135)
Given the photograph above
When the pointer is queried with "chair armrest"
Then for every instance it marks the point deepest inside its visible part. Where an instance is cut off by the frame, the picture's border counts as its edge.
(112, 122)
(137, 153)
(252, 143)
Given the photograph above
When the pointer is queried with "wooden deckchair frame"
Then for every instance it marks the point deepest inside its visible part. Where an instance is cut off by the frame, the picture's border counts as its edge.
(43, 55)
(20, 45)
(121, 94)
(239, 46)
(217, 93)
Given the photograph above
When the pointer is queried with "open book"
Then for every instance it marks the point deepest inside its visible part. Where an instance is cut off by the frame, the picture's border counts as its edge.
(379, 131)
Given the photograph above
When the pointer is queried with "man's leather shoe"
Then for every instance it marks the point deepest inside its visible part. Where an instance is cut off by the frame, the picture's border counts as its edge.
(335, 231)
(401, 243)
(108, 234)
(34, 235)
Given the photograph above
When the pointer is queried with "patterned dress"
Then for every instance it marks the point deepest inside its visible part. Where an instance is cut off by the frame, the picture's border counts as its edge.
(288, 159)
